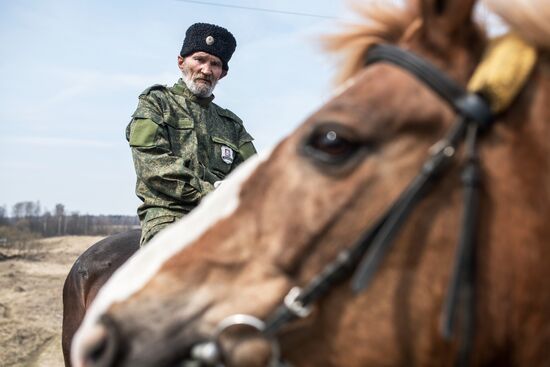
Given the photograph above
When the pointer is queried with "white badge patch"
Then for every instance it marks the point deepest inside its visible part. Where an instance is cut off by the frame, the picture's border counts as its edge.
(227, 154)
(210, 40)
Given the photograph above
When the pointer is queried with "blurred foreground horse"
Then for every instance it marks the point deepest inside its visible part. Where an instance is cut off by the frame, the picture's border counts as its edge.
(412, 213)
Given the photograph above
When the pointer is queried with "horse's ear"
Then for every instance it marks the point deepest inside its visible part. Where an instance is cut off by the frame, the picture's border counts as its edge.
(445, 20)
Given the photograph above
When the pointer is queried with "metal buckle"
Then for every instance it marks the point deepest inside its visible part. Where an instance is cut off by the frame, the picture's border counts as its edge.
(442, 146)
(296, 307)
(209, 353)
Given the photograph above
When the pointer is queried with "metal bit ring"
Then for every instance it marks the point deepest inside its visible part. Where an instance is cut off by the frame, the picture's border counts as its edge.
(210, 352)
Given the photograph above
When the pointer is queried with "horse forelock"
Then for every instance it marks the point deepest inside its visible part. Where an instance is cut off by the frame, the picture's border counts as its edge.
(384, 23)
(388, 22)
(143, 266)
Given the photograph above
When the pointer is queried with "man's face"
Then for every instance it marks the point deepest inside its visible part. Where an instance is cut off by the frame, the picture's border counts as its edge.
(201, 72)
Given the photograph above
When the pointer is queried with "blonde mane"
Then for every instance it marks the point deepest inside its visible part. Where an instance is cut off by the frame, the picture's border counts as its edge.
(528, 18)
(385, 22)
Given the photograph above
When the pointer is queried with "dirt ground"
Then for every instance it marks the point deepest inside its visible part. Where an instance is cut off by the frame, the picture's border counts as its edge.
(30, 300)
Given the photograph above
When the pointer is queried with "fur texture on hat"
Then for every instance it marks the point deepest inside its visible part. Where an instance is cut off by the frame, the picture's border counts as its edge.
(211, 39)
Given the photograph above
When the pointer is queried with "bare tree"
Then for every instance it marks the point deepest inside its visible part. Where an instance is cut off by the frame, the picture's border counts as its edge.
(3, 216)
(18, 210)
(60, 215)
(59, 210)
(30, 218)
(46, 217)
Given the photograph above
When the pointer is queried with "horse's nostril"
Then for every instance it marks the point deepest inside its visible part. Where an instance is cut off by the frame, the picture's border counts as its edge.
(100, 347)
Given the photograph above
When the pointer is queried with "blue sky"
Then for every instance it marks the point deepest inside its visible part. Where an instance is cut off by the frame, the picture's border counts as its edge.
(71, 72)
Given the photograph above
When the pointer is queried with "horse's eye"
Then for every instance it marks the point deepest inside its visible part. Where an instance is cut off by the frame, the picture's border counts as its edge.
(328, 145)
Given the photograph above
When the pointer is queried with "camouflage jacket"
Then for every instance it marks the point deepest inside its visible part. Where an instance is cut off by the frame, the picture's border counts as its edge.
(181, 144)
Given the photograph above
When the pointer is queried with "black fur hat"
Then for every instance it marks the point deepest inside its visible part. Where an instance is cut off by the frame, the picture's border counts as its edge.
(209, 38)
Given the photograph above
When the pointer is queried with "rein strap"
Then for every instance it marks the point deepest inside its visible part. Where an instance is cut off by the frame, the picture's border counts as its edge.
(469, 105)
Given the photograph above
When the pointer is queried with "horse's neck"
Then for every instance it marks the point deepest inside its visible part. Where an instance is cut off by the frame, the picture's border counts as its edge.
(513, 246)
(519, 151)
(536, 116)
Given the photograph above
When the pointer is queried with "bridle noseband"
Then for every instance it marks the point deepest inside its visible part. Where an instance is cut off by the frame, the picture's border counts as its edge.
(361, 261)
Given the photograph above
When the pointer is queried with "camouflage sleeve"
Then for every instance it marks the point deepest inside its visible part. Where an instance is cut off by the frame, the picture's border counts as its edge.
(165, 173)
(155, 165)
(246, 148)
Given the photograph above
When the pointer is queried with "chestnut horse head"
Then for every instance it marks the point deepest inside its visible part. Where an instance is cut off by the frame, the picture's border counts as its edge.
(340, 191)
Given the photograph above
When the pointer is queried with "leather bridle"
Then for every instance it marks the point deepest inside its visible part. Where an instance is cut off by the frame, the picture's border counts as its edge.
(361, 261)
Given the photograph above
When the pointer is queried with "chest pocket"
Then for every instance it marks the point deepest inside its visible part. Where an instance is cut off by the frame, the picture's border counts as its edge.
(182, 137)
(224, 153)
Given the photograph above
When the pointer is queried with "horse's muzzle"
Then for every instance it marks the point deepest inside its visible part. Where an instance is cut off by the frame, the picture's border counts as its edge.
(101, 346)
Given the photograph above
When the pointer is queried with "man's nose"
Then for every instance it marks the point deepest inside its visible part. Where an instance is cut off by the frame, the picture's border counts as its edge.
(206, 69)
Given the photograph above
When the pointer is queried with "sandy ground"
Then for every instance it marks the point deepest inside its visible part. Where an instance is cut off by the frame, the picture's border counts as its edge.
(30, 301)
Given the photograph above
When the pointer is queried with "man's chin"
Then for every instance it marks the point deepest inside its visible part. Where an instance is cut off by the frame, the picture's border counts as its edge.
(198, 88)
(202, 91)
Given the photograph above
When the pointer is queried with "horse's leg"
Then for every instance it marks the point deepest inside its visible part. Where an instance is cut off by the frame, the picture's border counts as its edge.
(88, 274)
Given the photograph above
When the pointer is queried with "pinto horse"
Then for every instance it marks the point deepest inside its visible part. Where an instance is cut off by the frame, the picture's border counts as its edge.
(434, 280)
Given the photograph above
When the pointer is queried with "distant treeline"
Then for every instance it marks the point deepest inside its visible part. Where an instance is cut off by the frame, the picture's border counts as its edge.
(28, 217)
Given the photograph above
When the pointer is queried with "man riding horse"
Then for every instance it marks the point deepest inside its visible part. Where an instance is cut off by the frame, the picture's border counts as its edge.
(182, 144)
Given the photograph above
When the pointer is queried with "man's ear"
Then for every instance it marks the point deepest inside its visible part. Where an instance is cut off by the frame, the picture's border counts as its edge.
(224, 73)
(180, 62)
